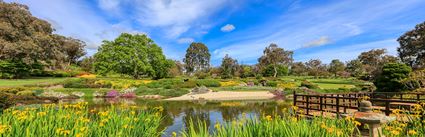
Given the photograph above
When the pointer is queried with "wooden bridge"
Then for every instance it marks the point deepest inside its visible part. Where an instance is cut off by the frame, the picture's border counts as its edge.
(343, 103)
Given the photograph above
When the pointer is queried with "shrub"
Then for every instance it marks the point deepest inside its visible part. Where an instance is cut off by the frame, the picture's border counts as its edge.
(188, 84)
(281, 71)
(201, 75)
(112, 94)
(12, 90)
(391, 77)
(309, 85)
(271, 83)
(208, 83)
(85, 83)
(289, 85)
(26, 93)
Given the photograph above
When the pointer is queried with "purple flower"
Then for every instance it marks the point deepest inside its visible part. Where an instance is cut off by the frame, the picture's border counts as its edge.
(112, 94)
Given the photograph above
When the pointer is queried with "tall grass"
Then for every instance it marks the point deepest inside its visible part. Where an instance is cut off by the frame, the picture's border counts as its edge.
(275, 126)
(77, 120)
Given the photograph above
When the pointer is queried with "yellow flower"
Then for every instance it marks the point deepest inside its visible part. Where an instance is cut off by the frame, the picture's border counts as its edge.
(79, 135)
(217, 125)
(269, 118)
(174, 134)
(412, 132)
(101, 124)
(357, 123)
(330, 130)
(125, 126)
(136, 119)
(395, 132)
(4, 128)
(133, 112)
(83, 129)
(41, 114)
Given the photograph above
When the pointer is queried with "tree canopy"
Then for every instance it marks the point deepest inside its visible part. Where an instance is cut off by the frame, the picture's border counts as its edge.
(412, 47)
(391, 77)
(135, 55)
(197, 58)
(336, 66)
(228, 67)
(275, 56)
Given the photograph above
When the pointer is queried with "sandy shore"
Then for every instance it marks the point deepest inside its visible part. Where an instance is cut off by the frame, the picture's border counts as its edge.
(227, 95)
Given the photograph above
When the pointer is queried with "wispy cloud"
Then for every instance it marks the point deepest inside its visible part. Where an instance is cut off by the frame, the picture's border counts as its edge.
(185, 40)
(318, 42)
(228, 28)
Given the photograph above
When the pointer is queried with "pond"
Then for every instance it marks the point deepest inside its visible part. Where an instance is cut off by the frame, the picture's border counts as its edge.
(177, 113)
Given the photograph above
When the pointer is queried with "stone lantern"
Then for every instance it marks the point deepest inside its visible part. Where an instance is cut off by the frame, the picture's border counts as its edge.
(365, 115)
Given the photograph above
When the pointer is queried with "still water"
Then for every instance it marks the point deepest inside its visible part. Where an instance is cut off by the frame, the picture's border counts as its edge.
(178, 113)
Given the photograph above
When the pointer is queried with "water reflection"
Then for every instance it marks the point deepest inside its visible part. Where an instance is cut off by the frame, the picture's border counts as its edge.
(177, 114)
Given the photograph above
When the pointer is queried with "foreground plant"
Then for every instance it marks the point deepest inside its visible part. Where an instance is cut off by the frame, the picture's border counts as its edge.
(77, 120)
(276, 126)
(409, 123)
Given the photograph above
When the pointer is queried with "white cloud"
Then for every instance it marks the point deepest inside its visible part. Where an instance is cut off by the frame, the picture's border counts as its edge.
(228, 28)
(318, 42)
(112, 5)
(185, 40)
(176, 17)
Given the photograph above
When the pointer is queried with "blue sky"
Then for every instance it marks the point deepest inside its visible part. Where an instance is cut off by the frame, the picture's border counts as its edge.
(319, 29)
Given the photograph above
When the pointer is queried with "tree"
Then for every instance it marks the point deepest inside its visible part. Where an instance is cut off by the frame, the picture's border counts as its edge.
(176, 69)
(373, 61)
(246, 71)
(412, 47)
(336, 66)
(298, 69)
(315, 68)
(355, 67)
(86, 64)
(197, 58)
(73, 49)
(135, 55)
(275, 56)
(228, 67)
(271, 69)
(391, 78)
(29, 42)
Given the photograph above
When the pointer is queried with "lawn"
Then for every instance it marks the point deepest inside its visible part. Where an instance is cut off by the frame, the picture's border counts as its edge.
(30, 81)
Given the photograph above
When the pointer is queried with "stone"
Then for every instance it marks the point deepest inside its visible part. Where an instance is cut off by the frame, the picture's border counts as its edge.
(365, 106)
(200, 90)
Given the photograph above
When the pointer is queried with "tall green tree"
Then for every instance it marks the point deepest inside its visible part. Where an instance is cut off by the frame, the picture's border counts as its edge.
(135, 55)
(197, 58)
(412, 47)
(275, 56)
(373, 62)
(336, 66)
(228, 67)
(355, 68)
(73, 49)
(391, 79)
(316, 68)
(298, 69)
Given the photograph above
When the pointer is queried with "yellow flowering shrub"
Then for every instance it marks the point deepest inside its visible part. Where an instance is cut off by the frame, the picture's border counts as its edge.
(229, 83)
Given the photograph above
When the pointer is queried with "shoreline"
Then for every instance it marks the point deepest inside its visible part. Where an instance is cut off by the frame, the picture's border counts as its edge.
(225, 95)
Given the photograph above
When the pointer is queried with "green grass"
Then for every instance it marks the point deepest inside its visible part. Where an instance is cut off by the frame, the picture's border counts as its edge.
(30, 81)
(78, 120)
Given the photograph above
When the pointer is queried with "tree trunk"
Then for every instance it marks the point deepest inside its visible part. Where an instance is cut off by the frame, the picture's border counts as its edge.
(275, 71)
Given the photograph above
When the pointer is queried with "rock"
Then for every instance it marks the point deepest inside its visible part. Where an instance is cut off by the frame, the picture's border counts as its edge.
(78, 94)
(243, 84)
(250, 84)
(200, 90)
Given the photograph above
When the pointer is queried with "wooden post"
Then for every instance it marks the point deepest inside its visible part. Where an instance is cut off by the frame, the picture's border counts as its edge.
(295, 98)
(337, 106)
(387, 107)
(418, 97)
(321, 104)
(401, 96)
(308, 104)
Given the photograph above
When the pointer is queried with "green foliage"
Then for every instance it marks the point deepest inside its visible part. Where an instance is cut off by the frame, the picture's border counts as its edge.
(280, 69)
(11, 90)
(208, 82)
(412, 49)
(272, 83)
(391, 77)
(78, 120)
(201, 75)
(26, 93)
(228, 67)
(309, 85)
(336, 66)
(85, 83)
(135, 55)
(246, 71)
(275, 56)
(197, 58)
